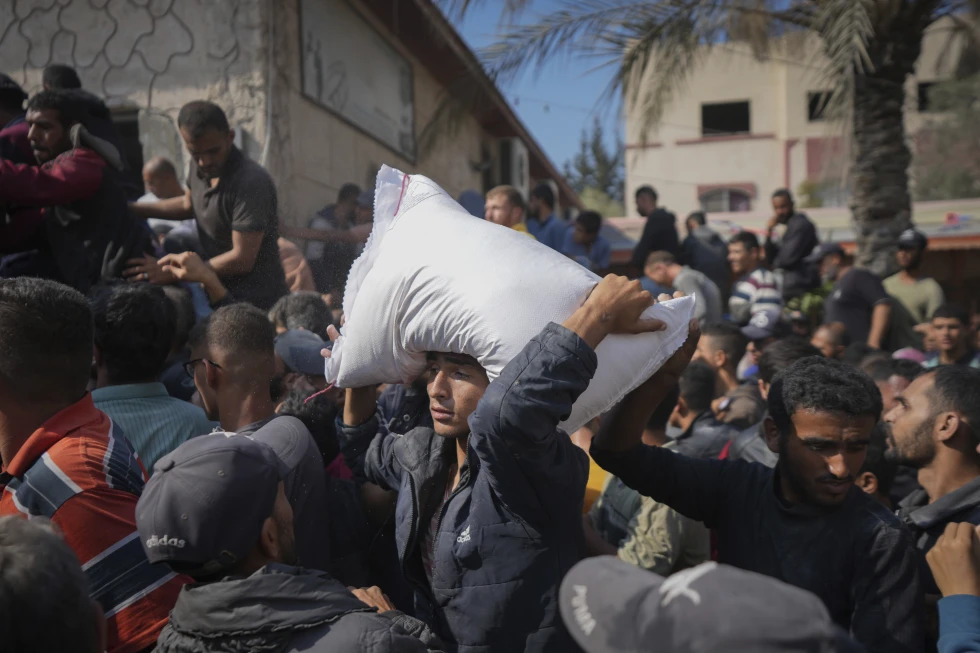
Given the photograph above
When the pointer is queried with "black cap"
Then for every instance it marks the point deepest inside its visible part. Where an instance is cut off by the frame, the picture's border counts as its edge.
(7, 85)
(765, 324)
(203, 508)
(823, 250)
(610, 606)
(912, 239)
(300, 351)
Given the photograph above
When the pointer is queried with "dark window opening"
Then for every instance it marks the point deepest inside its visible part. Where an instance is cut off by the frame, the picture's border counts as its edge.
(925, 105)
(817, 102)
(725, 118)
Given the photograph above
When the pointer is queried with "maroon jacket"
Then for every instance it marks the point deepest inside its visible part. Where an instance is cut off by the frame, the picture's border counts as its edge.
(87, 222)
(22, 223)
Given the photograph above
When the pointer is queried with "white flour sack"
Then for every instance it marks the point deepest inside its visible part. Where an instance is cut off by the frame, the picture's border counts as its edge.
(434, 278)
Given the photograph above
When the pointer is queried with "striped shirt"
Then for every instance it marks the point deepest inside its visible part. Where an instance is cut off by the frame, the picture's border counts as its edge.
(78, 471)
(754, 293)
(152, 421)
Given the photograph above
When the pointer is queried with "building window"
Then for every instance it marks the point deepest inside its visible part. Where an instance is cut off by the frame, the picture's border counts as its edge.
(725, 200)
(925, 106)
(816, 102)
(725, 118)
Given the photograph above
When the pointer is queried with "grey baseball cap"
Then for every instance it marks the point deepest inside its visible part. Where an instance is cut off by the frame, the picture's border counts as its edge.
(912, 239)
(300, 351)
(765, 324)
(202, 510)
(611, 606)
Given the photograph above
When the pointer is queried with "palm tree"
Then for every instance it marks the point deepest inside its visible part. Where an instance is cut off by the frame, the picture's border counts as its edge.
(871, 47)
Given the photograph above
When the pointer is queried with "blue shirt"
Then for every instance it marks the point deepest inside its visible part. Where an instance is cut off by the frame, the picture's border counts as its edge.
(655, 288)
(970, 358)
(551, 232)
(959, 624)
(595, 258)
(154, 422)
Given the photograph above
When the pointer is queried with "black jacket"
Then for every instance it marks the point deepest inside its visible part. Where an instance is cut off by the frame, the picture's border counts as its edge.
(513, 526)
(285, 609)
(706, 252)
(790, 255)
(705, 438)
(856, 557)
(659, 233)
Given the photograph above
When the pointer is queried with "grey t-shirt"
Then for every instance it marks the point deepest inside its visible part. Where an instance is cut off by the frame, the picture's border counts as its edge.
(707, 300)
(244, 200)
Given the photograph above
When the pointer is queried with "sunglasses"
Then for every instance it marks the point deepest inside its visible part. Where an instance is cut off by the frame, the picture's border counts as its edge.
(189, 365)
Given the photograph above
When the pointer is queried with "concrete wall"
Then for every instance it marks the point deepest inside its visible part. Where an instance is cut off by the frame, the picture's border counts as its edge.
(156, 55)
(785, 145)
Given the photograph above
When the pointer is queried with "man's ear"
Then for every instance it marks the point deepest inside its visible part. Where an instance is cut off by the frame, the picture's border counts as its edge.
(269, 539)
(681, 407)
(946, 426)
(868, 483)
(231, 136)
(212, 375)
(764, 390)
(97, 358)
(721, 359)
(772, 434)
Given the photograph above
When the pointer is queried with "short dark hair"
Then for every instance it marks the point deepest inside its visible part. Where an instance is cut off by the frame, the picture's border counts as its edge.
(240, 328)
(648, 191)
(780, 354)
(70, 111)
(199, 116)
(957, 387)
(661, 415)
(60, 76)
(698, 217)
(660, 256)
(748, 239)
(728, 338)
(134, 330)
(821, 385)
(875, 461)
(953, 312)
(783, 192)
(544, 193)
(879, 369)
(163, 166)
(12, 99)
(318, 413)
(908, 370)
(184, 315)
(348, 193)
(45, 340)
(591, 221)
(304, 309)
(697, 386)
(44, 595)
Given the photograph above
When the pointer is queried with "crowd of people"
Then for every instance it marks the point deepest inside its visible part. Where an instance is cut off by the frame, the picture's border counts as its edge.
(803, 474)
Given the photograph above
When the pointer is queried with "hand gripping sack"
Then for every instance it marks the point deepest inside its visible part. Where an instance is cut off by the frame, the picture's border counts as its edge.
(434, 278)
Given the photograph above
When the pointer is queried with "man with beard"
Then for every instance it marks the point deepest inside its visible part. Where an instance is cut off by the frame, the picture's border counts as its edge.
(935, 428)
(805, 522)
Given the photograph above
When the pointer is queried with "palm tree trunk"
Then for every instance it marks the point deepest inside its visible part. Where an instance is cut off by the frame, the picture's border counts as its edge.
(880, 201)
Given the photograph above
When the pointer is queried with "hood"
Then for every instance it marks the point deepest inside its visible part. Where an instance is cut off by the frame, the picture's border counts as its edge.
(258, 613)
(81, 137)
(706, 235)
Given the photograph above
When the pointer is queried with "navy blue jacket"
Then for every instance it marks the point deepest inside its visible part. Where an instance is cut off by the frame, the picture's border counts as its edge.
(512, 527)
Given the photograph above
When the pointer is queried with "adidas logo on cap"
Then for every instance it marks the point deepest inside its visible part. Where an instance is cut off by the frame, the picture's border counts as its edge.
(163, 540)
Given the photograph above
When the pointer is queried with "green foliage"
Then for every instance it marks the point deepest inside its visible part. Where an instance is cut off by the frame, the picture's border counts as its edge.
(946, 165)
(595, 200)
(594, 167)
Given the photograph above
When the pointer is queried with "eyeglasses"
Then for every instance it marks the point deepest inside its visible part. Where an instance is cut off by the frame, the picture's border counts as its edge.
(189, 365)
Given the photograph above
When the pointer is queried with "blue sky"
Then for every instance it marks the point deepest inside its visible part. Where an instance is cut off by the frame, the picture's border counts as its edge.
(556, 104)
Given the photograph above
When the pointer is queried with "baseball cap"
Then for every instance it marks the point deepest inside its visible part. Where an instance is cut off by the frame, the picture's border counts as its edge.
(764, 324)
(7, 84)
(822, 251)
(300, 351)
(202, 510)
(912, 239)
(611, 606)
(366, 199)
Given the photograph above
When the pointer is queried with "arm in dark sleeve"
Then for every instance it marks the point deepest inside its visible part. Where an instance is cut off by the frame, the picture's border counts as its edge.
(254, 209)
(514, 429)
(798, 241)
(67, 179)
(644, 247)
(887, 595)
(692, 487)
(368, 451)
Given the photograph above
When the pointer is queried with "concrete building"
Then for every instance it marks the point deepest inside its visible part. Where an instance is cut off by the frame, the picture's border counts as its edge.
(322, 92)
(740, 128)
